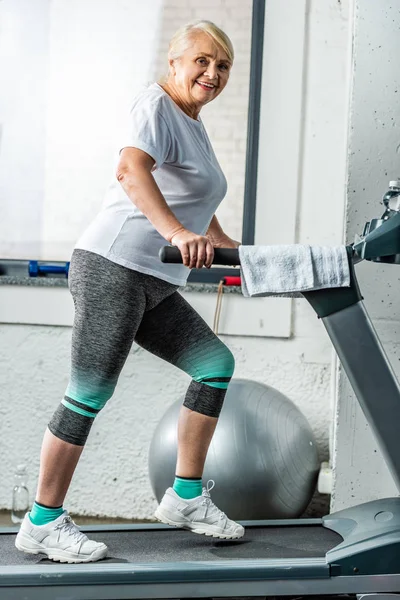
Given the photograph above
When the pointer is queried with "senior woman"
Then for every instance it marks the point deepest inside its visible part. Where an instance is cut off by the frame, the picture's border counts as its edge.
(167, 188)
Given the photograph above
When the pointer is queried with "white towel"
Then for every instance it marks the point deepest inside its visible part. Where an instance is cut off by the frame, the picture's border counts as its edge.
(288, 270)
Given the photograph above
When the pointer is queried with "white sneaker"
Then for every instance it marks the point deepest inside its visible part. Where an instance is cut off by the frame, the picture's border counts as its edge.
(199, 515)
(60, 539)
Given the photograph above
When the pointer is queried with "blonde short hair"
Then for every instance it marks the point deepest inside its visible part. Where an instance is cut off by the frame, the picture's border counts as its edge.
(181, 39)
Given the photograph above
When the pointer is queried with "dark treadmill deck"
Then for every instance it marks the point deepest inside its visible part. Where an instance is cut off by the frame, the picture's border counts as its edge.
(164, 544)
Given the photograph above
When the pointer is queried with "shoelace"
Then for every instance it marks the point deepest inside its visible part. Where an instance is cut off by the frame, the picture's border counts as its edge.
(212, 509)
(71, 529)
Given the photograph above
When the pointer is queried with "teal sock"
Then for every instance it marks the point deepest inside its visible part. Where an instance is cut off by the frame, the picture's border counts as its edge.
(41, 515)
(187, 488)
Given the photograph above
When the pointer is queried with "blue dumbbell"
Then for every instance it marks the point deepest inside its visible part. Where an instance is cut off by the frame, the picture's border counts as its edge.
(36, 268)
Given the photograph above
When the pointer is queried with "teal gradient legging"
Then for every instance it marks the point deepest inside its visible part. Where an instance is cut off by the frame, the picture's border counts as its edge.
(116, 306)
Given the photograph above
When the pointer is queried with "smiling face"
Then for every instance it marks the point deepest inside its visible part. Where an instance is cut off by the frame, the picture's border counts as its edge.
(199, 75)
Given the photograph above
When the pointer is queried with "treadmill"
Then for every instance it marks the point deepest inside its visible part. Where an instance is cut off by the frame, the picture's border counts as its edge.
(354, 552)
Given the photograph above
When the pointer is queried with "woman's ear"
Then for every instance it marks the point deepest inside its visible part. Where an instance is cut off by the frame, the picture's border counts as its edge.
(172, 69)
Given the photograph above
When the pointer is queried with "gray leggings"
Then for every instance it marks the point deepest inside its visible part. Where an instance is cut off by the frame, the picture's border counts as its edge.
(115, 306)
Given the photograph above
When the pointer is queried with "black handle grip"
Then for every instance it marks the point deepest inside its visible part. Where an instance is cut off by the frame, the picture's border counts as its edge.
(222, 256)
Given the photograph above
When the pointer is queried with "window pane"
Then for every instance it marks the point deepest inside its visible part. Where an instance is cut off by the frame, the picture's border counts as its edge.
(68, 72)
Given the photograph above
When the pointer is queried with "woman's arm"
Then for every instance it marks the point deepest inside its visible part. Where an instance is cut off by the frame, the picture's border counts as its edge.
(134, 174)
(218, 237)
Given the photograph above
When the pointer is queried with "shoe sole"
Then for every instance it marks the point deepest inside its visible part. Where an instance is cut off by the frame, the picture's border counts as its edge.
(199, 528)
(26, 544)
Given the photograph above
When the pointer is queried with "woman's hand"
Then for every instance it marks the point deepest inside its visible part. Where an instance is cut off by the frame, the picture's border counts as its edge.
(196, 250)
(223, 241)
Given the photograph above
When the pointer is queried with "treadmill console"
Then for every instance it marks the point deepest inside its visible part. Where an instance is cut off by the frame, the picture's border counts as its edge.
(380, 240)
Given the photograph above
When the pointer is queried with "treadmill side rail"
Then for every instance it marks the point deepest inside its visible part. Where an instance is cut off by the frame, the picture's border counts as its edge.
(164, 573)
(378, 597)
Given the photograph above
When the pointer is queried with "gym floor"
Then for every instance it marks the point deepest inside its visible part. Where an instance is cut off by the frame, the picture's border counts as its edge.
(5, 520)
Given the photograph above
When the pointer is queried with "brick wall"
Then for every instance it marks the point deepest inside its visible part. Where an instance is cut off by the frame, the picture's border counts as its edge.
(226, 117)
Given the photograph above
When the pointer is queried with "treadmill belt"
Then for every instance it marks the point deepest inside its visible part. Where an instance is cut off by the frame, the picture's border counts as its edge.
(174, 545)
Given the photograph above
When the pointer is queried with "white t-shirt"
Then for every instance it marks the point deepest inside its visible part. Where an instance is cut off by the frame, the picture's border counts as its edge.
(187, 173)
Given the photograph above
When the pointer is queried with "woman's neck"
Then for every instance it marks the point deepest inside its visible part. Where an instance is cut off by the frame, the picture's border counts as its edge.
(191, 110)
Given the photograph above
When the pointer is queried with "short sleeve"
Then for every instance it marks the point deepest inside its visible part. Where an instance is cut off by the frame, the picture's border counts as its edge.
(148, 131)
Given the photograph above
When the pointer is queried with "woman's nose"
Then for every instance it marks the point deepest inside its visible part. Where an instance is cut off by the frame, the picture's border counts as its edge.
(211, 71)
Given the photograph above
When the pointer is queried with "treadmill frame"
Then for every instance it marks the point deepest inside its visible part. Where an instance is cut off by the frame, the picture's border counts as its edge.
(191, 579)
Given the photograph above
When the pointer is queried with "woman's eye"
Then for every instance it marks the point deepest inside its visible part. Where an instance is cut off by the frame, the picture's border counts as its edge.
(223, 66)
(201, 61)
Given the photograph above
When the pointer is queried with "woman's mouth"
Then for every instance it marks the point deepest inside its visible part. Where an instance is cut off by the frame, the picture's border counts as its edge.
(208, 87)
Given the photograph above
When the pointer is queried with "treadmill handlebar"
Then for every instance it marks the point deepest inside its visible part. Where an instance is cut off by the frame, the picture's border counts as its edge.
(222, 256)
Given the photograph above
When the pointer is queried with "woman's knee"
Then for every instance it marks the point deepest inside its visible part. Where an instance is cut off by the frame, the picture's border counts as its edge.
(217, 369)
(74, 417)
(207, 390)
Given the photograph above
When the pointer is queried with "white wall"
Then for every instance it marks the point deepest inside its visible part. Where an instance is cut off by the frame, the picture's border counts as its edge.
(360, 473)
(34, 360)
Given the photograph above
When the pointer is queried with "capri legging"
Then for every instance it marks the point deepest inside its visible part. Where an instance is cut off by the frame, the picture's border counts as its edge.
(115, 306)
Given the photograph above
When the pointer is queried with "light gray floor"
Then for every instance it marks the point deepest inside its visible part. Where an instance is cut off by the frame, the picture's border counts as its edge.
(5, 520)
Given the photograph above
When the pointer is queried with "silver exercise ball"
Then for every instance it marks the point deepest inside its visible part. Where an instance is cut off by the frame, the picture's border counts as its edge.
(263, 456)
